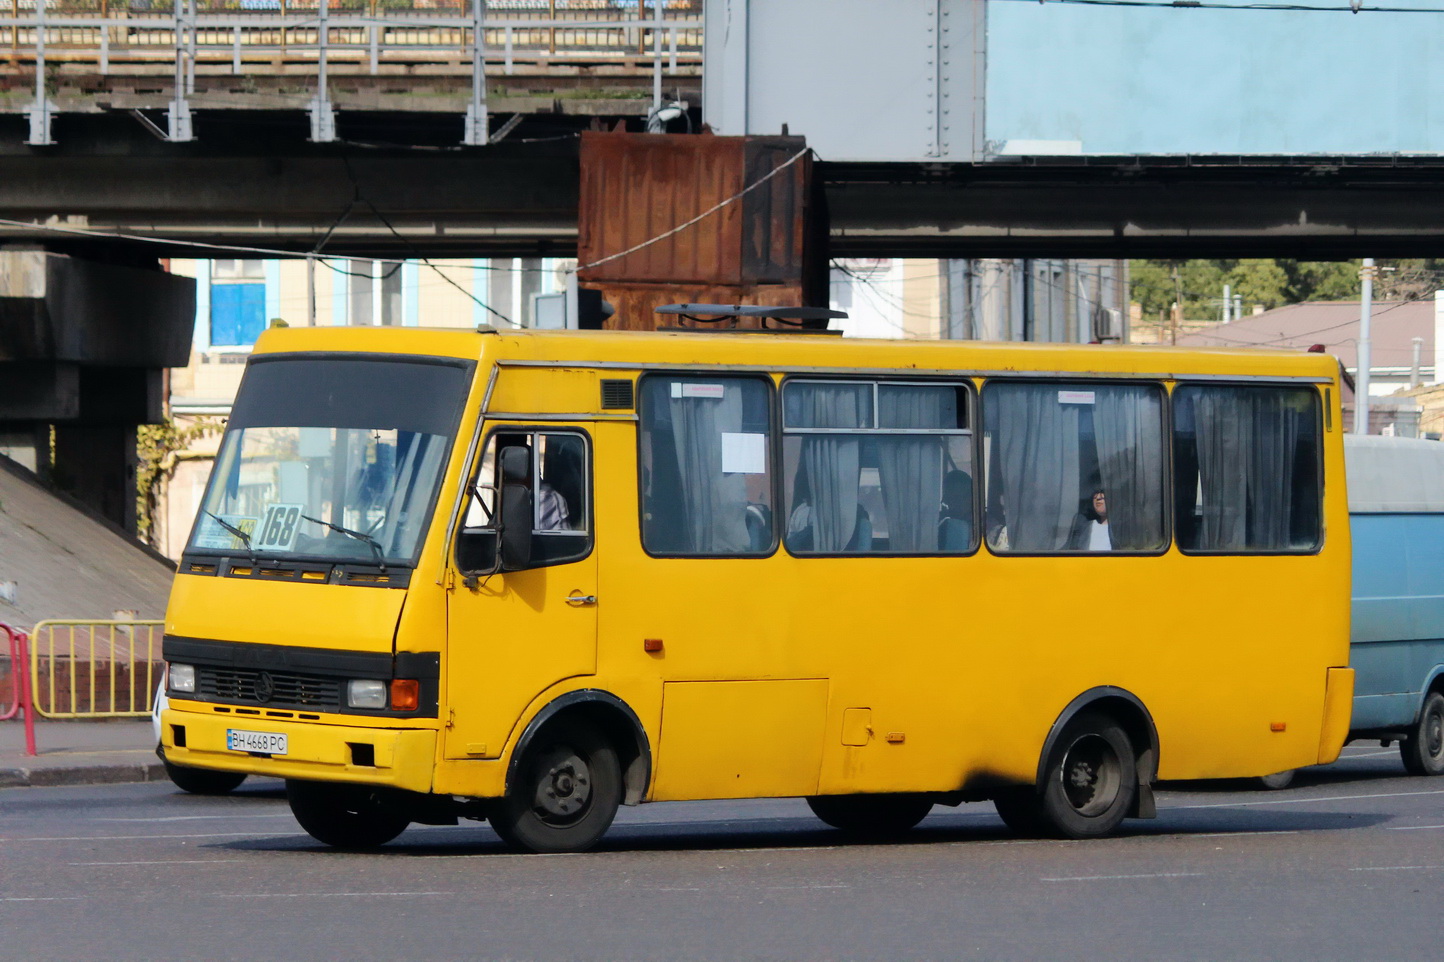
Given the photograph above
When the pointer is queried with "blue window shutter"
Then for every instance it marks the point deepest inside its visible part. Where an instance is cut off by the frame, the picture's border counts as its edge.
(238, 314)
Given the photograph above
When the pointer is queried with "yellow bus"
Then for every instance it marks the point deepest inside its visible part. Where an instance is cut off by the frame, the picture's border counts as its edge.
(530, 576)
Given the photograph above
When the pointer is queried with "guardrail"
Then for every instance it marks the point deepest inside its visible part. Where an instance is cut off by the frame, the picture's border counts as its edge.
(13, 689)
(236, 36)
(20, 689)
(94, 669)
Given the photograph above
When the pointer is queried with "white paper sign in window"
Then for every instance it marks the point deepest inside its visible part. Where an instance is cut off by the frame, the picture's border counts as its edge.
(714, 391)
(744, 453)
(1075, 397)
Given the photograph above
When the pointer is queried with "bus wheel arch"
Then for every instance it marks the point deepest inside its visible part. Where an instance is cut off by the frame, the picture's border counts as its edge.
(1106, 738)
(1128, 710)
(606, 714)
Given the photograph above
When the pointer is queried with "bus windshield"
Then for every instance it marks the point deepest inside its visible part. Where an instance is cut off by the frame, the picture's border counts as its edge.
(331, 459)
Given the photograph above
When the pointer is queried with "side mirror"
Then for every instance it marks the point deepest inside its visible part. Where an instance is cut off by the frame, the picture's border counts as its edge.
(515, 513)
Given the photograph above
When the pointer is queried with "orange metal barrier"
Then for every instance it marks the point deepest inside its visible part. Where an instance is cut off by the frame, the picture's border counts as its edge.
(94, 669)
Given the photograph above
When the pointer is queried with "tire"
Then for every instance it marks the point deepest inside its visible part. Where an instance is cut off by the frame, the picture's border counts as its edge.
(1022, 811)
(344, 816)
(875, 816)
(1278, 780)
(203, 781)
(565, 793)
(1423, 748)
(1090, 779)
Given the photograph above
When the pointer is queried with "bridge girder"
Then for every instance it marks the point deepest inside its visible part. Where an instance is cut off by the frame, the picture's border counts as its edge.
(256, 184)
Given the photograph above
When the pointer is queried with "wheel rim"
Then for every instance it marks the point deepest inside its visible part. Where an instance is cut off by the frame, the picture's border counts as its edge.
(563, 787)
(1434, 733)
(1092, 775)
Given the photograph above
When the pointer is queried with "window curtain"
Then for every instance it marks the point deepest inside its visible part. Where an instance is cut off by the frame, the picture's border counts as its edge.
(713, 503)
(1037, 448)
(1271, 468)
(1128, 430)
(832, 464)
(911, 467)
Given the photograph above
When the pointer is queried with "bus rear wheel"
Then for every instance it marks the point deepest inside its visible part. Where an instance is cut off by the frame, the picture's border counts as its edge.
(1089, 783)
(1423, 748)
(1091, 778)
(343, 816)
(565, 794)
(870, 815)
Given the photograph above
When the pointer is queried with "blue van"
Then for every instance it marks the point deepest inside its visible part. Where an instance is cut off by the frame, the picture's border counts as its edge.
(1396, 510)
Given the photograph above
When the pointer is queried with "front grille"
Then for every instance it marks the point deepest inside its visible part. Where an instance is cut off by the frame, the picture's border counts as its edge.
(288, 689)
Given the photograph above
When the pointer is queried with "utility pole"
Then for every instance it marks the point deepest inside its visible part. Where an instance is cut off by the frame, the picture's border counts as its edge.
(1361, 377)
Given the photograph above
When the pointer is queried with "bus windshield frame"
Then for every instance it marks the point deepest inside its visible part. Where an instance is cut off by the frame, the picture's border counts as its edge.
(333, 458)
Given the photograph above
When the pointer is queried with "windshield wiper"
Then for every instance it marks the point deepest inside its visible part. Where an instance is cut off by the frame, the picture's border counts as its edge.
(371, 542)
(245, 538)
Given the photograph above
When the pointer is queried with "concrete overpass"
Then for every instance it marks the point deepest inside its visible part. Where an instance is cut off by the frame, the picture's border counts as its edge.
(136, 129)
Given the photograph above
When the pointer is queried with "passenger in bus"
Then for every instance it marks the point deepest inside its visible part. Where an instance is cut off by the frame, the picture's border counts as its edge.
(801, 534)
(1090, 528)
(955, 529)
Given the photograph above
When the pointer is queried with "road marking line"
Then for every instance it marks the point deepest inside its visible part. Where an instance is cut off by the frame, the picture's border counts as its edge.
(1114, 878)
(139, 838)
(56, 898)
(193, 818)
(1396, 868)
(171, 861)
(1294, 801)
(1283, 831)
(321, 895)
(1387, 751)
(780, 888)
(1410, 828)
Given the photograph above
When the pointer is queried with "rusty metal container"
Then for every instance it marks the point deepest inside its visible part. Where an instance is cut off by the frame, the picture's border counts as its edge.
(641, 188)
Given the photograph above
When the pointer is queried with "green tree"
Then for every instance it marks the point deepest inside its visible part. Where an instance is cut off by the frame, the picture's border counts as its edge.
(156, 449)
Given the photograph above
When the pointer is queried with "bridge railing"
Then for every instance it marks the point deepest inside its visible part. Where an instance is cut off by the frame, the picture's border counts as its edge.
(141, 36)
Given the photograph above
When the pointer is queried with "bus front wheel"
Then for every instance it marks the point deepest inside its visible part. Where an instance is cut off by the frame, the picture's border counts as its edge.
(343, 816)
(870, 815)
(1089, 783)
(1423, 748)
(565, 794)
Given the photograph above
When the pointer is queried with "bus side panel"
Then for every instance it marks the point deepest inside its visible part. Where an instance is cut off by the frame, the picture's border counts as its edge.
(740, 739)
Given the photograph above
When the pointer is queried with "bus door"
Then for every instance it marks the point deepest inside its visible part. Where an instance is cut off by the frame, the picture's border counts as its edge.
(512, 633)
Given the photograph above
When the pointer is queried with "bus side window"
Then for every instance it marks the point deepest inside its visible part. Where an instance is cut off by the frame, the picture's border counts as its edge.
(1247, 468)
(1076, 466)
(877, 467)
(706, 456)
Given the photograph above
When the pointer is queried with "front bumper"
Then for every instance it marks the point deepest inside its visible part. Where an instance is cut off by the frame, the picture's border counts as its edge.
(399, 758)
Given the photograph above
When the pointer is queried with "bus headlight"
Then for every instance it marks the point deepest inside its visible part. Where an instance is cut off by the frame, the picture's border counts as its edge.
(366, 693)
(182, 678)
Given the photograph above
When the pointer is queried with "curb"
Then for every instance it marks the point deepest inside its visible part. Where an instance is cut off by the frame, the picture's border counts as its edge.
(86, 775)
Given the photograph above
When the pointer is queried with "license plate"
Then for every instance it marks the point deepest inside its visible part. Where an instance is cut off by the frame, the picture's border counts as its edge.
(262, 743)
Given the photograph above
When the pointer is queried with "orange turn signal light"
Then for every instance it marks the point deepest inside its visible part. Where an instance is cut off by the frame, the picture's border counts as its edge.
(652, 644)
(405, 694)
(1278, 726)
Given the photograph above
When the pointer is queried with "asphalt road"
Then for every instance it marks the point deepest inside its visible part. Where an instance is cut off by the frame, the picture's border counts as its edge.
(1349, 864)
